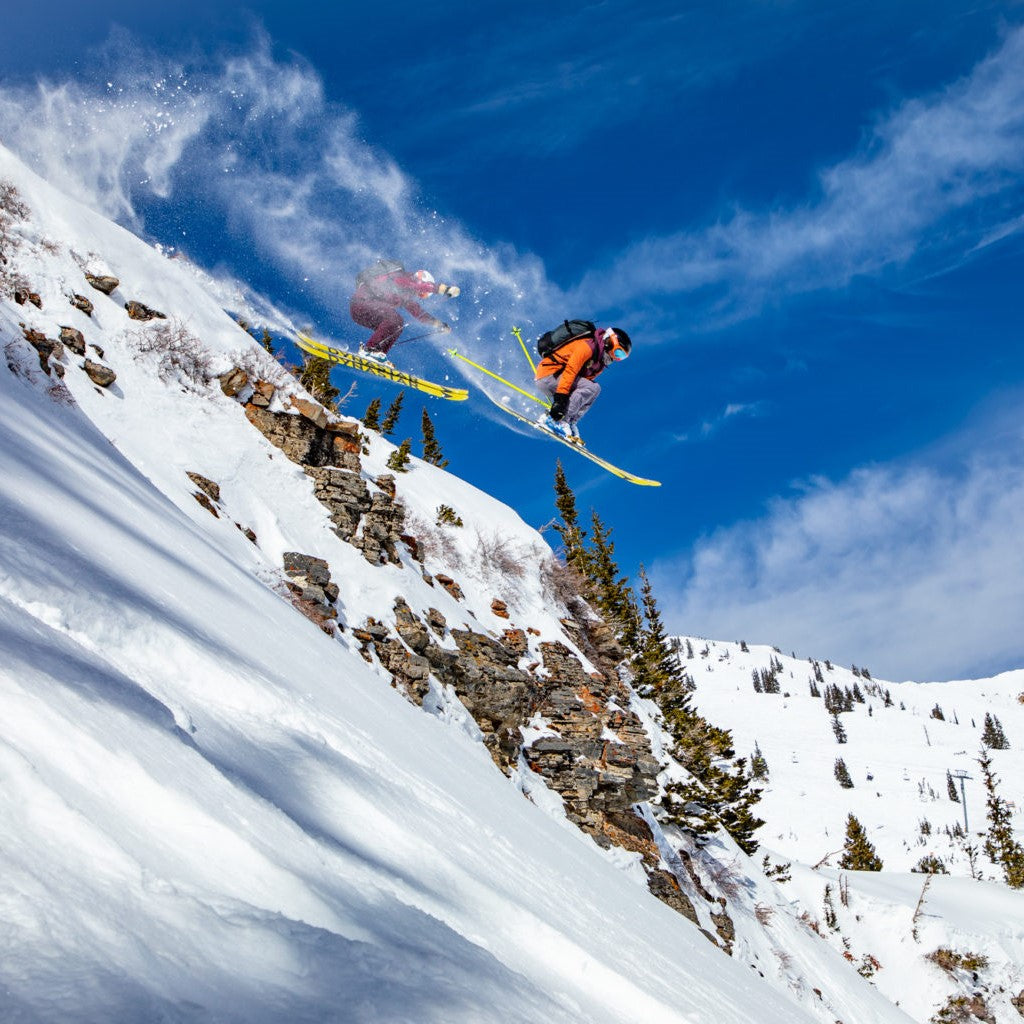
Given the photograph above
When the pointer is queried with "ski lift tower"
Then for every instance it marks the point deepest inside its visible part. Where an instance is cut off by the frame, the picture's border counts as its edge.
(961, 775)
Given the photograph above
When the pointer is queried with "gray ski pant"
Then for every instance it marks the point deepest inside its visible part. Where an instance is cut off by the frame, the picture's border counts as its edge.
(581, 398)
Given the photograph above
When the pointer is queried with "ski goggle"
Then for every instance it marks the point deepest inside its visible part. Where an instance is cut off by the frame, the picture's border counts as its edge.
(617, 352)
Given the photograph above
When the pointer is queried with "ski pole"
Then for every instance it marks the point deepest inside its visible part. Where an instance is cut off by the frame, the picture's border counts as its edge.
(417, 337)
(522, 345)
(507, 383)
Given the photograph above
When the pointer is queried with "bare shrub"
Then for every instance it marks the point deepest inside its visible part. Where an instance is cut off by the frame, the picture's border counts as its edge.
(951, 961)
(12, 211)
(437, 546)
(562, 583)
(180, 356)
(498, 557)
(764, 914)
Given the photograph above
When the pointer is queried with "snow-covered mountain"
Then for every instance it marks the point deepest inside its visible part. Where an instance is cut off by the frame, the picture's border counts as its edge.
(903, 744)
(278, 745)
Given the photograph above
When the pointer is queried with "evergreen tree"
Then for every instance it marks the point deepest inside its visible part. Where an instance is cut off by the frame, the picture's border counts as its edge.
(268, 342)
(992, 734)
(1000, 846)
(758, 763)
(837, 728)
(655, 666)
(398, 460)
(447, 516)
(842, 774)
(394, 410)
(936, 712)
(570, 533)
(858, 853)
(758, 685)
(371, 418)
(951, 788)
(612, 594)
(316, 379)
(431, 448)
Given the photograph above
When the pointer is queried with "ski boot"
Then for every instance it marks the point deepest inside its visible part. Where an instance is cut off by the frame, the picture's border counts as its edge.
(372, 355)
(559, 427)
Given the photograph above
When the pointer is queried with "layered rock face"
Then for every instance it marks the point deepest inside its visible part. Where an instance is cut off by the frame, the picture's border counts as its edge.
(592, 750)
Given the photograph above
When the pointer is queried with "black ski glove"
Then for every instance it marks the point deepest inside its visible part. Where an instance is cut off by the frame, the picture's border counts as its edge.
(559, 406)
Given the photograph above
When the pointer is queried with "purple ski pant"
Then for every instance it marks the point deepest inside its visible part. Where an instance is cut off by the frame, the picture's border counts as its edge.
(581, 398)
(382, 318)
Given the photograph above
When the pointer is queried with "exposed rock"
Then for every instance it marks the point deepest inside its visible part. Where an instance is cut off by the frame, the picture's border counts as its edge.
(105, 283)
(96, 349)
(1018, 1001)
(82, 303)
(249, 535)
(313, 569)
(515, 641)
(262, 393)
(232, 382)
(499, 608)
(409, 627)
(206, 485)
(302, 441)
(311, 588)
(140, 311)
(99, 374)
(382, 528)
(315, 413)
(74, 339)
(413, 545)
(450, 585)
(532, 631)
(44, 346)
(664, 885)
(386, 482)
(436, 621)
(23, 295)
(204, 500)
(725, 928)
(345, 496)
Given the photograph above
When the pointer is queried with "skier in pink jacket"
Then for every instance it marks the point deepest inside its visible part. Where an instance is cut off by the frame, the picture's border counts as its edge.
(384, 289)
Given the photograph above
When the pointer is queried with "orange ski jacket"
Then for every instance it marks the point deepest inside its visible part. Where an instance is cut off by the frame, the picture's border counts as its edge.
(573, 360)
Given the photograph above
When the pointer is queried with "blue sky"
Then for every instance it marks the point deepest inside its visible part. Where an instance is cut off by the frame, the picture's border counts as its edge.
(808, 216)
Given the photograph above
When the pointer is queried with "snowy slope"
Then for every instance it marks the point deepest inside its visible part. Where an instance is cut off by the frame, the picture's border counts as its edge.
(210, 809)
(904, 750)
(907, 753)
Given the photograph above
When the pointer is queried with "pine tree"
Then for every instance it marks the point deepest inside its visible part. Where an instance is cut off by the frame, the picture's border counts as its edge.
(837, 728)
(390, 420)
(842, 774)
(951, 788)
(268, 342)
(431, 448)
(858, 853)
(612, 594)
(992, 734)
(655, 666)
(371, 418)
(316, 379)
(1000, 846)
(937, 713)
(570, 533)
(758, 763)
(398, 460)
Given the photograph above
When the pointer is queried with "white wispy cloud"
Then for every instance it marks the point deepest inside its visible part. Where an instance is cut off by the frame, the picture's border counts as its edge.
(254, 139)
(915, 570)
(710, 427)
(934, 176)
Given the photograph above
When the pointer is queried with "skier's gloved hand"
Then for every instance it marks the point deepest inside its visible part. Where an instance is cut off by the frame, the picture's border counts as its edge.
(559, 406)
(451, 290)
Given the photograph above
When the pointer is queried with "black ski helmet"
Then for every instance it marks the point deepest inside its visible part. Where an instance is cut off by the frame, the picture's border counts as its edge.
(623, 338)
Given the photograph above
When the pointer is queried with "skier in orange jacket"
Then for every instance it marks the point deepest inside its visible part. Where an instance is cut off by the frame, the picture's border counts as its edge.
(568, 376)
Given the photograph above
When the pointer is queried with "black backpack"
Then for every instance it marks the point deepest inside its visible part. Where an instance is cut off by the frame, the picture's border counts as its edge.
(568, 330)
(382, 268)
